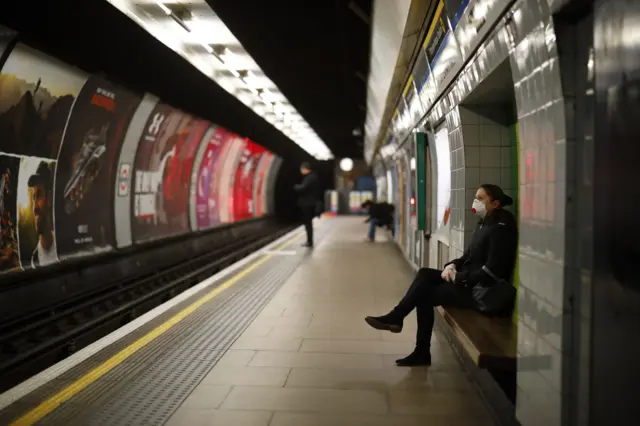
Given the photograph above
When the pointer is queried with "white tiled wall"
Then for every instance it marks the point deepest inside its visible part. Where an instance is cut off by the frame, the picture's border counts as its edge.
(488, 159)
(479, 152)
(542, 134)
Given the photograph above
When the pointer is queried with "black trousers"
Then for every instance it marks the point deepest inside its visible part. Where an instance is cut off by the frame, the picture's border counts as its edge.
(428, 290)
(308, 213)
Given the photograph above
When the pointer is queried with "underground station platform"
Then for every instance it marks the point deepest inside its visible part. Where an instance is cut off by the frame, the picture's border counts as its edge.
(276, 339)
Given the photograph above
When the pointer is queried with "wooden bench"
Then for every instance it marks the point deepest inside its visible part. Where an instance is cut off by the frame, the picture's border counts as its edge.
(491, 343)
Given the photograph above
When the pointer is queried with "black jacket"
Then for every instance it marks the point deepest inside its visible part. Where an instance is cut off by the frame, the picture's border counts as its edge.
(308, 191)
(493, 248)
(382, 213)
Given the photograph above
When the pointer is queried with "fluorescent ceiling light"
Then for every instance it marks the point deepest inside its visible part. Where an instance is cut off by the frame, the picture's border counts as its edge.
(196, 33)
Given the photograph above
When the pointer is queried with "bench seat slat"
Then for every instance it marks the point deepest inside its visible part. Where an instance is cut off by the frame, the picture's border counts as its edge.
(490, 342)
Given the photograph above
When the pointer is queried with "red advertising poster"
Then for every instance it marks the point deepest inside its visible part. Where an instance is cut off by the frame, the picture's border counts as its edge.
(86, 167)
(36, 96)
(164, 154)
(9, 250)
(207, 182)
(260, 183)
(176, 186)
(243, 207)
(234, 149)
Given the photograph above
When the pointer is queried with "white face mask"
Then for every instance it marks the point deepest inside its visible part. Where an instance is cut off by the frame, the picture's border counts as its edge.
(479, 208)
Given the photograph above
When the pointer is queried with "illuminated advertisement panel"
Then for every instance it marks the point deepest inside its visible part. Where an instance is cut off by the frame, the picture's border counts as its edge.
(207, 180)
(443, 193)
(245, 177)
(162, 173)
(260, 184)
(36, 97)
(9, 249)
(87, 165)
(266, 182)
(177, 185)
(234, 149)
(355, 201)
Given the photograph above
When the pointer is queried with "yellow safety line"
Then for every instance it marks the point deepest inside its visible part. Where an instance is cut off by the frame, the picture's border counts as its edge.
(434, 22)
(406, 86)
(53, 402)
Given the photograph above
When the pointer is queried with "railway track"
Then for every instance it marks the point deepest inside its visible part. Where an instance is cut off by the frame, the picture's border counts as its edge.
(34, 342)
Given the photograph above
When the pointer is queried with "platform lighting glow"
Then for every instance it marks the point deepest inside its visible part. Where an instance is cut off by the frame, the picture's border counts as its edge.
(200, 32)
(346, 164)
(164, 8)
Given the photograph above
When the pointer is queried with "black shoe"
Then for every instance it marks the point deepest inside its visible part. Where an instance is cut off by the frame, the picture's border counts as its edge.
(386, 323)
(416, 359)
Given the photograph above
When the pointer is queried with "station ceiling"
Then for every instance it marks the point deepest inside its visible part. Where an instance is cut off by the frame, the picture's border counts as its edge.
(316, 53)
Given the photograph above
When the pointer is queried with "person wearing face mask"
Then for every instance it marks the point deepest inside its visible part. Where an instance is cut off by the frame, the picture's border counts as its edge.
(491, 255)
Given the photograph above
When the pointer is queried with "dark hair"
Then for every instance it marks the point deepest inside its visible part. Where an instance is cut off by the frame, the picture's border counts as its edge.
(305, 165)
(42, 176)
(496, 193)
(366, 204)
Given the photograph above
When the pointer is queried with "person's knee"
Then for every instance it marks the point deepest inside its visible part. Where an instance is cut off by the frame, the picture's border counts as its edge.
(424, 274)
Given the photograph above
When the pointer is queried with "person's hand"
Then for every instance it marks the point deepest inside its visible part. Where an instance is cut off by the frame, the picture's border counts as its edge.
(449, 273)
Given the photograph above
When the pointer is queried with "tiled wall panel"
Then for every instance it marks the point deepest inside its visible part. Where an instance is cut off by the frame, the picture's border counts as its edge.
(480, 153)
(542, 123)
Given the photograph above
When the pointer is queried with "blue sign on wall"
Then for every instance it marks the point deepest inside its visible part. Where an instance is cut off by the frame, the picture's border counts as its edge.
(365, 183)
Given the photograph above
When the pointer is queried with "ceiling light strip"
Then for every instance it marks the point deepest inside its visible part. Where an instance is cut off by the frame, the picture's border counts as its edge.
(290, 123)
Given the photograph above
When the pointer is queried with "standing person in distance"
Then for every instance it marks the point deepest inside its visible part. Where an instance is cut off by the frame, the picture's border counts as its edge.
(308, 198)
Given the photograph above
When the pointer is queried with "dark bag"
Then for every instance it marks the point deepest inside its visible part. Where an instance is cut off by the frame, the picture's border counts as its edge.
(494, 296)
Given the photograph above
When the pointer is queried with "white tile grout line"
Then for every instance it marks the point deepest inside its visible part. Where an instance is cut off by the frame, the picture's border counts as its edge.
(56, 370)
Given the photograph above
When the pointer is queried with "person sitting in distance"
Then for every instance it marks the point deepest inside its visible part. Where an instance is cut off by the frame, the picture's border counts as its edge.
(491, 254)
(380, 214)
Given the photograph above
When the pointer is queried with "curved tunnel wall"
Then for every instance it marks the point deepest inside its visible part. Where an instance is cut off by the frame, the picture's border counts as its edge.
(88, 166)
(530, 158)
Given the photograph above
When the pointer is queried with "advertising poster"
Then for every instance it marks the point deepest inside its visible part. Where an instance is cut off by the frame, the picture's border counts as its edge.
(436, 34)
(355, 202)
(234, 149)
(36, 97)
(36, 230)
(177, 184)
(245, 178)
(333, 203)
(85, 171)
(443, 160)
(266, 180)
(9, 250)
(166, 129)
(260, 183)
(207, 181)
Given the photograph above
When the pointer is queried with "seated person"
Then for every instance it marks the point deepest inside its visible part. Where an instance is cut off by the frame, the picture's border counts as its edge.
(491, 254)
(380, 214)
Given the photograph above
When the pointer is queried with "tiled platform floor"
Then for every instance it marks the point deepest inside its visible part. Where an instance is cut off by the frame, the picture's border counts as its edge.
(309, 359)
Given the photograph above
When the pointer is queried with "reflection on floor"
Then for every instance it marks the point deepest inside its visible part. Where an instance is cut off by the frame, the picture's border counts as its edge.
(309, 359)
